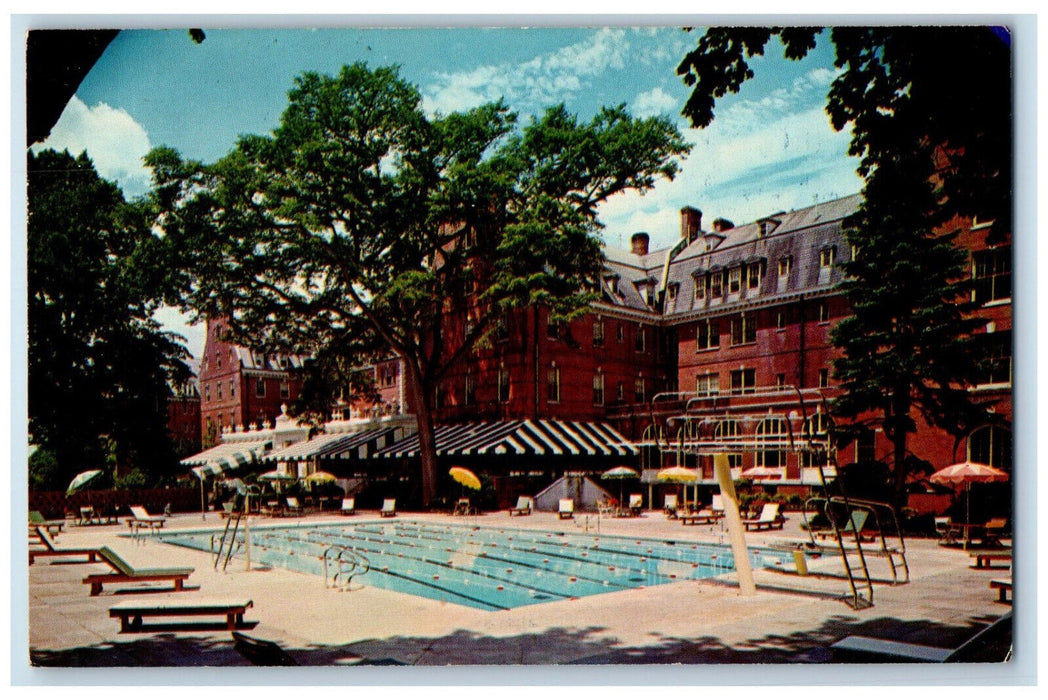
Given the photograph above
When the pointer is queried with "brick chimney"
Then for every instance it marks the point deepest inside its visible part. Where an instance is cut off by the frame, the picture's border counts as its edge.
(639, 243)
(690, 223)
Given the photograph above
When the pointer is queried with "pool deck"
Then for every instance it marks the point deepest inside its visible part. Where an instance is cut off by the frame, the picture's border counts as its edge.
(792, 619)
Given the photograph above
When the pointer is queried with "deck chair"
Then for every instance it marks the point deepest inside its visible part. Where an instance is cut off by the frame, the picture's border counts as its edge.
(293, 506)
(946, 530)
(52, 550)
(717, 504)
(142, 518)
(669, 505)
(523, 507)
(389, 508)
(349, 506)
(636, 503)
(123, 572)
(767, 520)
(992, 531)
(566, 509)
(37, 519)
(853, 526)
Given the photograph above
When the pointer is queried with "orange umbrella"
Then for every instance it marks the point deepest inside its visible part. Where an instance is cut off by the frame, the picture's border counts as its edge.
(465, 477)
(965, 474)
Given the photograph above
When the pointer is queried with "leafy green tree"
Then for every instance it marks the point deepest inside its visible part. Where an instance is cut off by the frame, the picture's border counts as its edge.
(362, 217)
(930, 116)
(98, 363)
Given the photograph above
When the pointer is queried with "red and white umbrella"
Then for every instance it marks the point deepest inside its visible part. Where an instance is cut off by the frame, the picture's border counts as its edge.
(762, 473)
(965, 474)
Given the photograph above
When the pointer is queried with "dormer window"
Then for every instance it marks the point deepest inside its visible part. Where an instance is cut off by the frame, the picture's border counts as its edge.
(828, 256)
(716, 282)
(754, 275)
(785, 265)
(734, 280)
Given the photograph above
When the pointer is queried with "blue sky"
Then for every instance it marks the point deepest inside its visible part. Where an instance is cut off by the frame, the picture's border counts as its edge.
(770, 148)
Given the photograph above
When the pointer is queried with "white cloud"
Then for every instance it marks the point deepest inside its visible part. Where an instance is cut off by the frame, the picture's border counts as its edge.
(115, 142)
(655, 102)
(543, 80)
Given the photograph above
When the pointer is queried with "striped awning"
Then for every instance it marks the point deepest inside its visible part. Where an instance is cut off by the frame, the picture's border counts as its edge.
(361, 445)
(520, 437)
(224, 457)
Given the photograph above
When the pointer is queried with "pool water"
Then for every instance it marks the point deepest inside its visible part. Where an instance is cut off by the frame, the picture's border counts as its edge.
(485, 568)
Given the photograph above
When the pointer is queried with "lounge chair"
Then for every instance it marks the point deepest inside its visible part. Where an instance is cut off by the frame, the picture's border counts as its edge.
(124, 572)
(853, 526)
(52, 550)
(703, 516)
(636, 503)
(947, 531)
(717, 504)
(669, 505)
(142, 518)
(523, 507)
(462, 507)
(992, 531)
(389, 508)
(87, 516)
(131, 614)
(228, 509)
(271, 509)
(293, 506)
(37, 519)
(566, 509)
(349, 506)
(769, 519)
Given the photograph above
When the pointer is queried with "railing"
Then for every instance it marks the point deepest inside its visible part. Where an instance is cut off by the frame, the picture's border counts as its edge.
(344, 563)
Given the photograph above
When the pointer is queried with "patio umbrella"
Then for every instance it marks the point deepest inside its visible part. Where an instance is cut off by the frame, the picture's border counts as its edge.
(965, 474)
(620, 473)
(321, 478)
(465, 477)
(762, 473)
(276, 475)
(81, 480)
(678, 475)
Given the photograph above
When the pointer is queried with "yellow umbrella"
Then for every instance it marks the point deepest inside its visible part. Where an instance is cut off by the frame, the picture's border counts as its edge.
(465, 477)
(321, 478)
(678, 475)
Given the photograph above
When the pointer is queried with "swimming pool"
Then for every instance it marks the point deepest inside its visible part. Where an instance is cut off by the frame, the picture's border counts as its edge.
(481, 567)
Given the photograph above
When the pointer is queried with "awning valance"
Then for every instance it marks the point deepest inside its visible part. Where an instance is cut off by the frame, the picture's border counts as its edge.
(521, 437)
(224, 457)
(360, 445)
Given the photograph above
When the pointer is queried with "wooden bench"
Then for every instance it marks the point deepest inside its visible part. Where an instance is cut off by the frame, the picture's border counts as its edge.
(984, 558)
(699, 518)
(131, 614)
(1003, 586)
(857, 648)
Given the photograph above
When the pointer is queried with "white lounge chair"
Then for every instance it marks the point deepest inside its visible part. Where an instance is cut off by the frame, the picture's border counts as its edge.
(349, 506)
(769, 519)
(636, 503)
(669, 505)
(142, 518)
(293, 506)
(389, 508)
(524, 506)
(566, 509)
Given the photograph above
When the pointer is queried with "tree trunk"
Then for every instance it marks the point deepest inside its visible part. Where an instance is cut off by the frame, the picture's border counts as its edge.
(422, 394)
(899, 435)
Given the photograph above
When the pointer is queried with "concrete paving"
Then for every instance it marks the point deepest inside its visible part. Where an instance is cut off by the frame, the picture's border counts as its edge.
(791, 620)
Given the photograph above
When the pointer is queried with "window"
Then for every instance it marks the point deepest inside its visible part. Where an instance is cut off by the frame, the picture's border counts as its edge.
(620, 333)
(207, 392)
(828, 256)
(734, 280)
(707, 384)
(503, 384)
(260, 388)
(780, 381)
(716, 280)
(218, 360)
(620, 392)
(598, 388)
(824, 312)
(744, 329)
(754, 275)
(771, 436)
(780, 318)
(824, 378)
(218, 390)
(553, 384)
(743, 381)
(671, 291)
(991, 445)
(598, 332)
(727, 432)
(232, 389)
(785, 265)
(470, 393)
(640, 339)
(815, 434)
(865, 446)
(552, 329)
(992, 270)
(700, 287)
(706, 336)
(638, 389)
(996, 364)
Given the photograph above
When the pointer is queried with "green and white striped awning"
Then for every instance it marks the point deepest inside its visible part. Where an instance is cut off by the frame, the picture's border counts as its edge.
(225, 457)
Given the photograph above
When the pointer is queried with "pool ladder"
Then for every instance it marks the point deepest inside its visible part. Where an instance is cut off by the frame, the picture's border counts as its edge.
(344, 563)
(228, 543)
